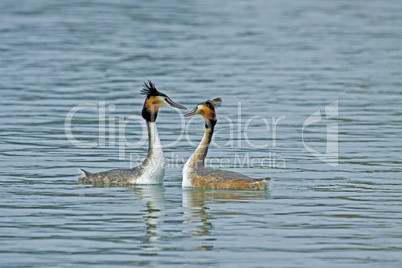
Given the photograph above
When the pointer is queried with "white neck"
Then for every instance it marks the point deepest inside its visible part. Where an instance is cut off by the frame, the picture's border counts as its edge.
(155, 145)
(154, 165)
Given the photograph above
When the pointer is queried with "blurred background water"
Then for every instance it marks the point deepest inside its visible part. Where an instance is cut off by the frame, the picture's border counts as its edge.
(279, 60)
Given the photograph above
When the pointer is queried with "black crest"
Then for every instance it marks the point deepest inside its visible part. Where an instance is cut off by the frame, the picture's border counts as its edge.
(209, 104)
(149, 89)
(212, 104)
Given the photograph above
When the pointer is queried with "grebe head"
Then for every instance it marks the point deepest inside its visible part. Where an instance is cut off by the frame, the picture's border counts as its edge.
(154, 100)
(207, 110)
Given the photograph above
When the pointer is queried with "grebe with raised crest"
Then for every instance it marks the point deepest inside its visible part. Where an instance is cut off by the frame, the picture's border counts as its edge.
(152, 170)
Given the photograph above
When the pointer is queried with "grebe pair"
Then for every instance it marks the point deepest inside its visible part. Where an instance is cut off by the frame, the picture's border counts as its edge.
(195, 174)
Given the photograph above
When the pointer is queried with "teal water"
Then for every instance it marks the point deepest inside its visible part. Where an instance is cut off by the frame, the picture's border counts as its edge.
(270, 61)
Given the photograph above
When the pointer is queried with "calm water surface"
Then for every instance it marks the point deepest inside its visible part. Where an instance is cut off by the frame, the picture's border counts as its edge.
(272, 59)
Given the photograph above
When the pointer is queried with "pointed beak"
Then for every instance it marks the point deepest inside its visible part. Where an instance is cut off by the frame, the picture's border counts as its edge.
(176, 105)
(190, 113)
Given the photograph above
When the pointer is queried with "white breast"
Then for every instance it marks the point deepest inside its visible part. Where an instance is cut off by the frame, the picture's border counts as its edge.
(153, 170)
(187, 171)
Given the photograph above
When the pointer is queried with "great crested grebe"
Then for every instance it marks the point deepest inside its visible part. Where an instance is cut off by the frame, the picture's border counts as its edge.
(195, 174)
(152, 170)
